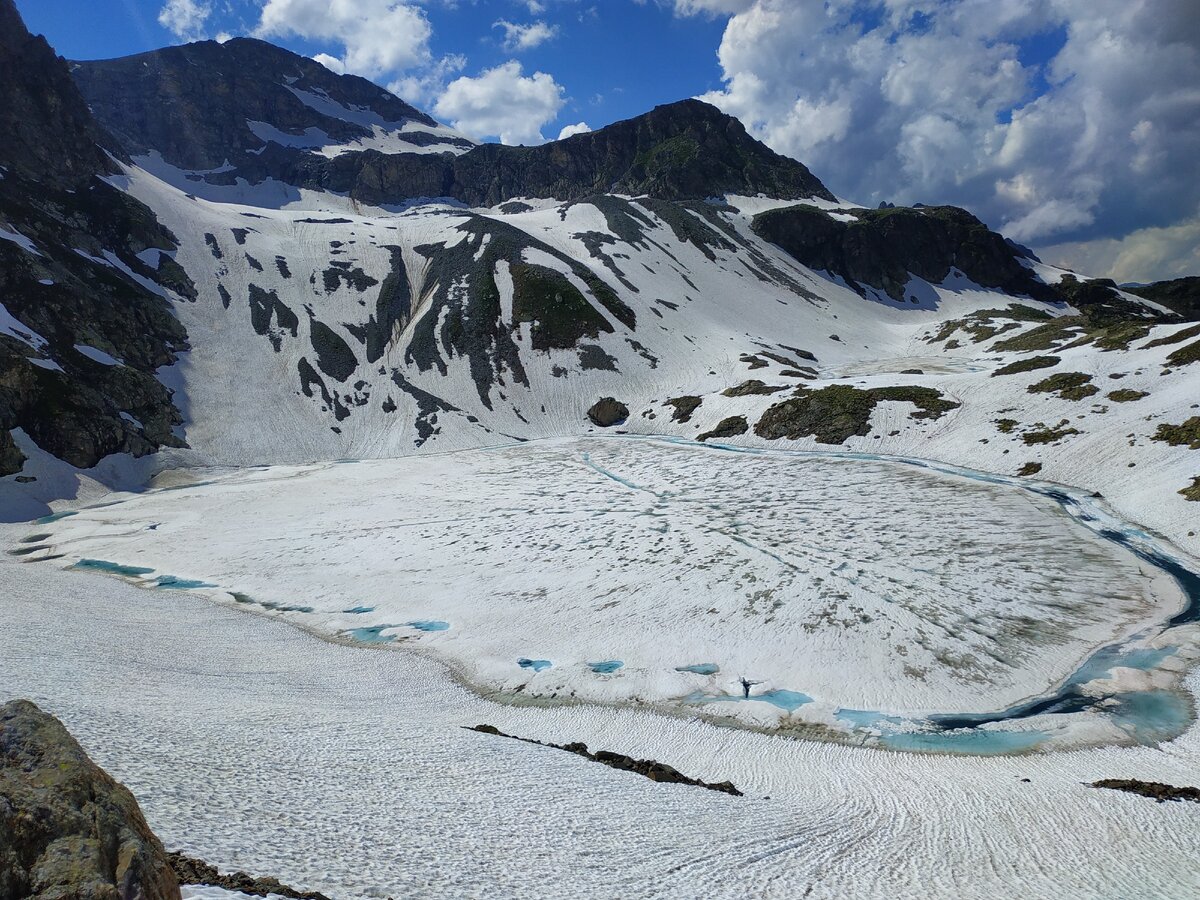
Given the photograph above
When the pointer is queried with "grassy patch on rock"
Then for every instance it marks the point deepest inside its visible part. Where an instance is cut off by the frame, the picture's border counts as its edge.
(752, 388)
(1032, 364)
(1192, 492)
(1127, 395)
(1186, 433)
(836, 413)
(1068, 385)
(1043, 434)
(1185, 355)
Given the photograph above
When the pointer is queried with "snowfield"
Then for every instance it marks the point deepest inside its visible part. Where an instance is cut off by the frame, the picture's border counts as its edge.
(863, 596)
(347, 771)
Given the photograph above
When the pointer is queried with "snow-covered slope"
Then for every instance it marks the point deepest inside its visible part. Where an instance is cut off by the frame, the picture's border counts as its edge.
(375, 322)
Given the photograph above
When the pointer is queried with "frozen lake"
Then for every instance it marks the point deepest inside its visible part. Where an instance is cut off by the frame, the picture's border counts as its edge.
(347, 770)
(869, 600)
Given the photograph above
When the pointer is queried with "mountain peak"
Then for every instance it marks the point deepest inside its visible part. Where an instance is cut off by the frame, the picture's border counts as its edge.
(205, 104)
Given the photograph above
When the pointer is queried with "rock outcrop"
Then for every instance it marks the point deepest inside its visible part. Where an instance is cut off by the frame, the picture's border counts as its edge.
(883, 248)
(67, 829)
(196, 871)
(648, 768)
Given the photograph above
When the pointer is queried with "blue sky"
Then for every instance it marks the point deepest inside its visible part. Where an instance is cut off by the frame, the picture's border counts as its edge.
(614, 59)
(1071, 125)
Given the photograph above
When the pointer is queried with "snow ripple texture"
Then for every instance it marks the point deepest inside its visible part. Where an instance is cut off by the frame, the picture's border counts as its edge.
(346, 771)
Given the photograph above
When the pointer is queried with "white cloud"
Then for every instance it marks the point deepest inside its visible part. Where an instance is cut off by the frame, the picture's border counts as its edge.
(572, 130)
(910, 100)
(376, 36)
(185, 19)
(502, 102)
(518, 38)
(332, 63)
(1149, 254)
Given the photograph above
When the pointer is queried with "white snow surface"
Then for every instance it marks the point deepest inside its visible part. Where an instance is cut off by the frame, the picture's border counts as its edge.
(262, 748)
(864, 585)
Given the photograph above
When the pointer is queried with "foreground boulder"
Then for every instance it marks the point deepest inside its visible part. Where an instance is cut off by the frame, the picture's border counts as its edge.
(68, 829)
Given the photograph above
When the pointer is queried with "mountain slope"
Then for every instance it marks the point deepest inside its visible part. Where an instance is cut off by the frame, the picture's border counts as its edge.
(659, 273)
(84, 322)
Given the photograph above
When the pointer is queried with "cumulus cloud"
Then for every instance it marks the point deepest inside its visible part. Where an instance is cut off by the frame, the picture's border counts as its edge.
(939, 101)
(572, 130)
(518, 38)
(186, 19)
(376, 36)
(1148, 254)
(502, 102)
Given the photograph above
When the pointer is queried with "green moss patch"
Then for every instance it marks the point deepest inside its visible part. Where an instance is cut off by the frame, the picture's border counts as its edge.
(1185, 355)
(753, 388)
(1192, 492)
(559, 313)
(1006, 426)
(1045, 435)
(983, 325)
(1186, 433)
(1177, 338)
(1068, 385)
(1031, 364)
(1127, 395)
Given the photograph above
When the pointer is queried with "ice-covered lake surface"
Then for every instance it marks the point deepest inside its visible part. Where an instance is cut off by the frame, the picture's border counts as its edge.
(871, 601)
(260, 747)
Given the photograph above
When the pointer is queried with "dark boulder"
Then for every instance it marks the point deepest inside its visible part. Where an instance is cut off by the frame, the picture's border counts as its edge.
(67, 829)
(607, 412)
(726, 428)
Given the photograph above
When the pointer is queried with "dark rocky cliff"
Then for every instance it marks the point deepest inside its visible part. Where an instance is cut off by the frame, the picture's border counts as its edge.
(882, 247)
(58, 289)
(1180, 294)
(683, 151)
(193, 103)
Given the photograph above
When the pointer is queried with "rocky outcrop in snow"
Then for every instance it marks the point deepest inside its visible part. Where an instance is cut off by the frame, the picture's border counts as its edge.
(67, 829)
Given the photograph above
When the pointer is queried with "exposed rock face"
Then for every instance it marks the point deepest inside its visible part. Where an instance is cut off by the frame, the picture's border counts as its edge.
(681, 151)
(883, 247)
(67, 829)
(193, 104)
(58, 281)
(1181, 295)
(608, 411)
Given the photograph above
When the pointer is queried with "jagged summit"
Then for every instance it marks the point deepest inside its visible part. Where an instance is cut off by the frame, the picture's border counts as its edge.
(248, 109)
(208, 104)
